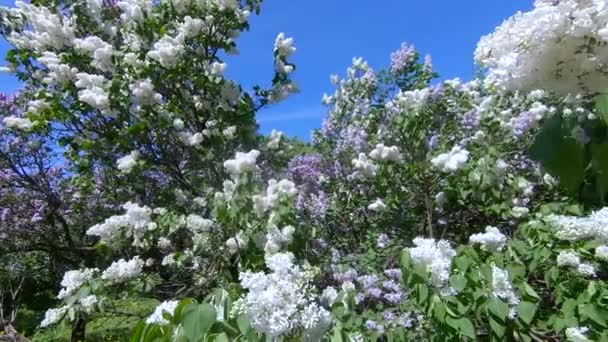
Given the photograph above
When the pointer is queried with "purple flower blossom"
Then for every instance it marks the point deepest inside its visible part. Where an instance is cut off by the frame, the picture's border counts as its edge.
(382, 241)
(368, 281)
(470, 120)
(374, 292)
(433, 141)
(394, 297)
(354, 138)
(523, 123)
(393, 273)
(402, 58)
(371, 325)
(391, 285)
(428, 64)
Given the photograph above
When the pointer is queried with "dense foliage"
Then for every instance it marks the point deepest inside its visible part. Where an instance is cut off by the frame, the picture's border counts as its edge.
(138, 202)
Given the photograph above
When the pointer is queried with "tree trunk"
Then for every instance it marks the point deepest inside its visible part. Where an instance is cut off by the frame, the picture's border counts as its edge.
(11, 335)
(79, 330)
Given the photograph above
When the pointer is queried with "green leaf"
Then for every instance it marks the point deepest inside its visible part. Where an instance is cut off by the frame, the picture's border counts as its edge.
(243, 323)
(138, 332)
(498, 328)
(498, 308)
(559, 154)
(458, 282)
(599, 161)
(601, 106)
(526, 311)
(197, 319)
(422, 292)
(594, 313)
(462, 325)
(530, 291)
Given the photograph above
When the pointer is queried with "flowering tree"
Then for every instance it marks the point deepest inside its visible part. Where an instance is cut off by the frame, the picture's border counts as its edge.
(422, 210)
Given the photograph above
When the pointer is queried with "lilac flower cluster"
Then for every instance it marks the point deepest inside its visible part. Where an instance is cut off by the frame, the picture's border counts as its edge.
(470, 120)
(308, 171)
(403, 58)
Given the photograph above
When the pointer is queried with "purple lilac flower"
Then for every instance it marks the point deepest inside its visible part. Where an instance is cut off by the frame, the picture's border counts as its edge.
(368, 281)
(382, 241)
(393, 273)
(371, 325)
(433, 141)
(328, 128)
(436, 91)
(523, 123)
(349, 275)
(402, 58)
(389, 316)
(394, 297)
(470, 120)
(353, 138)
(391, 285)
(428, 64)
(374, 292)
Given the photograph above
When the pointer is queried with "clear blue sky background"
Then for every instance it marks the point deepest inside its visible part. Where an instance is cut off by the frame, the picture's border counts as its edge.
(329, 33)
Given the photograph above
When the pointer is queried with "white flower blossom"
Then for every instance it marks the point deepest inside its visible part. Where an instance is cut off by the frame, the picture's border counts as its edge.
(73, 280)
(165, 307)
(122, 270)
(385, 153)
(53, 316)
(377, 205)
(364, 165)
(451, 161)
(436, 257)
(127, 163)
(492, 240)
(243, 162)
(23, 124)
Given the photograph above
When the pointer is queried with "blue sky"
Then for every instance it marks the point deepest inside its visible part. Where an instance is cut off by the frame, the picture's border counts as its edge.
(329, 33)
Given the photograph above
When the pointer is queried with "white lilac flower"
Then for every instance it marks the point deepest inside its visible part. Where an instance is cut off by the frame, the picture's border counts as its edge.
(88, 303)
(236, 243)
(519, 212)
(436, 257)
(274, 139)
(243, 162)
(73, 280)
(283, 46)
(377, 205)
(144, 94)
(586, 270)
(601, 252)
(280, 302)
(134, 223)
(568, 258)
(572, 228)
(122, 270)
(229, 132)
(178, 124)
(364, 165)
(451, 161)
(165, 307)
(577, 334)
(492, 240)
(329, 296)
(166, 51)
(23, 124)
(198, 224)
(275, 191)
(502, 287)
(101, 51)
(385, 153)
(557, 46)
(53, 316)
(128, 162)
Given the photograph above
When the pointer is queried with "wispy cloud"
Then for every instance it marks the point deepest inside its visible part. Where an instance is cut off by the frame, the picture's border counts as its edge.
(312, 113)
